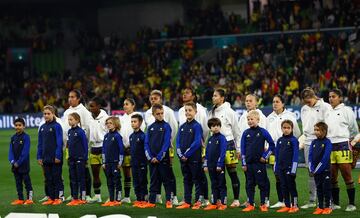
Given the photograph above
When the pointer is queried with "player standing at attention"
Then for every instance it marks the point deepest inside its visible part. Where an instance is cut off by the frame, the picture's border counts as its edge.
(343, 127)
(229, 128)
(97, 133)
(125, 131)
(273, 126)
(50, 155)
(312, 112)
(319, 167)
(201, 191)
(19, 157)
(169, 117)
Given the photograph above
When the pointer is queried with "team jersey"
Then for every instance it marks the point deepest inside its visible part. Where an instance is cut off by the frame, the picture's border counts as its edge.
(188, 141)
(98, 129)
(319, 155)
(243, 124)
(169, 117)
(287, 154)
(50, 143)
(19, 151)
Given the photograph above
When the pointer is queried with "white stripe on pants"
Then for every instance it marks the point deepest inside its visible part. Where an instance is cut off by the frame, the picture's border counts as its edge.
(312, 185)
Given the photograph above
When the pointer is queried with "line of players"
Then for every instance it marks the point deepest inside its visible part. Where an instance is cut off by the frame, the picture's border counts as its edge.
(97, 128)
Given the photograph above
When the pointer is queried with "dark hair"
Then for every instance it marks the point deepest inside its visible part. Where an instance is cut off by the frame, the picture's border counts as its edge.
(308, 92)
(322, 126)
(214, 122)
(78, 95)
(338, 92)
(288, 122)
(131, 100)
(282, 99)
(19, 120)
(137, 116)
(192, 93)
(156, 107)
(99, 101)
(221, 92)
(191, 104)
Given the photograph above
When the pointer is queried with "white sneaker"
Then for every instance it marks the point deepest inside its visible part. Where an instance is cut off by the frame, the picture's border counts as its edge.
(44, 199)
(245, 204)
(350, 208)
(158, 199)
(181, 202)
(308, 205)
(278, 205)
(95, 199)
(69, 198)
(205, 203)
(126, 200)
(235, 204)
(175, 201)
(88, 198)
(335, 207)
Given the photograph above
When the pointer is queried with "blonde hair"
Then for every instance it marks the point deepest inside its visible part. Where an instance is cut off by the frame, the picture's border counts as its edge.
(116, 122)
(50, 108)
(76, 116)
(254, 113)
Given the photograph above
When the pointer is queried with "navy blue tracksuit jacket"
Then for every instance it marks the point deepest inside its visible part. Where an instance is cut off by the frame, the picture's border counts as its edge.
(138, 164)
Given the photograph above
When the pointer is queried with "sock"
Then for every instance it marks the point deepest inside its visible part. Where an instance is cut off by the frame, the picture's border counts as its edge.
(351, 195)
(127, 186)
(279, 192)
(335, 194)
(30, 195)
(235, 183)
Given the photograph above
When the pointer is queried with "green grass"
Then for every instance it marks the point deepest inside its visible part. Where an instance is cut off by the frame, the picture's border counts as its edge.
(8, 193)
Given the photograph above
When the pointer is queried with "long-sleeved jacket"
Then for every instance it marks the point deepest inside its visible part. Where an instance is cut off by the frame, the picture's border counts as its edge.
(113, 148)
(188, 141)
(215, 151)
(77, 144)
(229, 122)
(169, 117)
(158, 140)
(342, 124)
(312, 115)
(253, 145)
(98, 130)
(19, 151)
(137, 148)
(50, 142)
(243, 124)
(319, 155)
(85, 118)
(287, 154)
(273, 124)
(201, 117)
(126, 129)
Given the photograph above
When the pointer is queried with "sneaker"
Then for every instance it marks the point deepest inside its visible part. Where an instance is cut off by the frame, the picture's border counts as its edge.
(222, 207)
(57, 202)
(126, 200)
(283, 210)
(181, 202)
(147, 205)
(211, 207)
(245, 204)
(350, 208)
(169, 204)
(28, 202)
(197, 205)
(74, 202)
(278, 205)
(48, 202)
(327, 210)
(158, 199)
(69, 198)
(205, 203)
(17, 202)
(235, 204)
(335, 207)
(184, 206)
(293, 210)
(136, 203)
(249, 208)
(318, 211)
(264, 208)
(116, 203)
(267, 203)
(95, 199)
(175, 201)
(308, 205)
(107, 204)
(88, 198)
(44, 199)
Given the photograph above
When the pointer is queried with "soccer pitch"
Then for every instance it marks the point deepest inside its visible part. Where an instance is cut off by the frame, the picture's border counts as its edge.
(8, 193)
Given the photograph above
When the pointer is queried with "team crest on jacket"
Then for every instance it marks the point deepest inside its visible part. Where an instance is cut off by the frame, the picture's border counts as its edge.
(152, 129)
(190, 130)
(217, 142)
(258, 134)
(75, 134)
(322, 145)
(21, 142)
(50, 129)
(248, 136)
(161, 129)
(288, 143)
(112, 139)
(182, 129)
